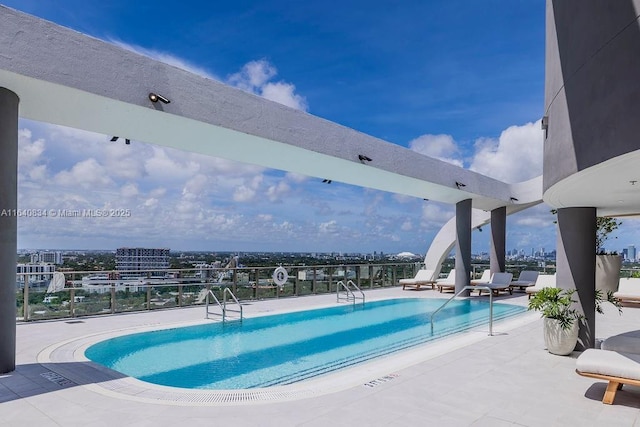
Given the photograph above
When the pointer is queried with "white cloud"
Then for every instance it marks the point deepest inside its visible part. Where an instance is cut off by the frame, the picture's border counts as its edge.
(284, 93)
(87, 174)
(515, 156)
(441, 147)
(255, 77)
(278, 191)
(435, 215)
(329, 227)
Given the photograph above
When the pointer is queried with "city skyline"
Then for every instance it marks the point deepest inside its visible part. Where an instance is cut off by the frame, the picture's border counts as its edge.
(433, 78)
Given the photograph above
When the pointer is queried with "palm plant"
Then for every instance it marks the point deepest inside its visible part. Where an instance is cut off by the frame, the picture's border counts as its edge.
(556, 303)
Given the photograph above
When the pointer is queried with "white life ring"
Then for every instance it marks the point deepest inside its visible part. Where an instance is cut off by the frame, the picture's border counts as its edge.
(280, 276)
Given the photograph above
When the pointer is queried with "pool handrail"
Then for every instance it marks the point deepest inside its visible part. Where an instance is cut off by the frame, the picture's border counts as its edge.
(223, 305)
(351, 296)
(469, 288)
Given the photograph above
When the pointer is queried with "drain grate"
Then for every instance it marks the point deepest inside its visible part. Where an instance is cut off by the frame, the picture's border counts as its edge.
(73, 322)
(57, 378)
(381, 380)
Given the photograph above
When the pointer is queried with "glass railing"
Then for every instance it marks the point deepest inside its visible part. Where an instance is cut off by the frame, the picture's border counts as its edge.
(88, 293)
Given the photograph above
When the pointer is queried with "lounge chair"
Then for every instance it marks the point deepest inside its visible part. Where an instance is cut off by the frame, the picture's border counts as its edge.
(484, 279)
(616, 367)
(448, 282)
(422, 277)
(628, 290)
(499, 282)
(543, 281)
(526, 279)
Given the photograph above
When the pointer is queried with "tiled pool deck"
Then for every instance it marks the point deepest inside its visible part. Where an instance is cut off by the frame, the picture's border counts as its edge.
(507, 379)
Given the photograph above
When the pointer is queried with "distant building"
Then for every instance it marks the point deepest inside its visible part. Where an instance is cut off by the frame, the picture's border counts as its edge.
(134, 260)
(47, 257)
(631, 253)
(34, 273)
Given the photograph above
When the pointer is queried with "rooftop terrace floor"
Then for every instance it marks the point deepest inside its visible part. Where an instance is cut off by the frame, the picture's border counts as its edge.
(472, 379)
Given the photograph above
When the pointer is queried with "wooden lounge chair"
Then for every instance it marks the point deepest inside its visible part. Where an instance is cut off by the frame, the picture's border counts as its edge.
(526, 279)
(499, 282)
(447, 283)
(422, 277)
(484, 279)
(543, 281)
(628, 290)
(617, 368)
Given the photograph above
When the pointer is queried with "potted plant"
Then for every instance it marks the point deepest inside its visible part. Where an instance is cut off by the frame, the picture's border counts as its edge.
(608, 265)
(560, 326)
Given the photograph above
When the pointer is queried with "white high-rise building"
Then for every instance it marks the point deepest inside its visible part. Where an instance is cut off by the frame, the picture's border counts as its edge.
(149, 260)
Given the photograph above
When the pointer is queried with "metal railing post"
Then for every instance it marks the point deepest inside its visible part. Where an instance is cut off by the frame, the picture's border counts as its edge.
(25, 296)
(72, 302)
(113, 298)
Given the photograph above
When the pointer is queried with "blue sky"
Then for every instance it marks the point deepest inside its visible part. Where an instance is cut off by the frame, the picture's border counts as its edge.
(459, 80)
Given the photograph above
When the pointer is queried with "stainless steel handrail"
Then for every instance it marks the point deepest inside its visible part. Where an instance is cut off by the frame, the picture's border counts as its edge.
(351, 296)
(469, 288)
(223, 305)
(224, 299)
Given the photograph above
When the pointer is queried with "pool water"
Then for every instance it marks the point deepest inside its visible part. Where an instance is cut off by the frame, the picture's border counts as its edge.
(286, 348)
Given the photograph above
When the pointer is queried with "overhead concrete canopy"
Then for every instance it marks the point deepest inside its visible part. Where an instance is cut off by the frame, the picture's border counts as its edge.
(67, 78)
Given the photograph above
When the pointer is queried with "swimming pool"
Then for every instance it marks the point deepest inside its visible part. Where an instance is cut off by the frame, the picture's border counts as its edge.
(286, 348)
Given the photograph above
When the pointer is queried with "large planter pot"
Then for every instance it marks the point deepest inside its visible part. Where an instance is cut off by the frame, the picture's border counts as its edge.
(608, 272)
(559, 341)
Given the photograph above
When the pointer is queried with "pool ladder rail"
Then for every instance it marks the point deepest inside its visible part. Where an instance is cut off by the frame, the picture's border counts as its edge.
(346, 293)
(223, 305)
(469, 288)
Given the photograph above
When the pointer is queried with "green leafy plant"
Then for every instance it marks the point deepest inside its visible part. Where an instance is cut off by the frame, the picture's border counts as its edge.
(604, 227)
(556, 303)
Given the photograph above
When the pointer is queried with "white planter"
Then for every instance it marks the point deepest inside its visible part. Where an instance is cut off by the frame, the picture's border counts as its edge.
(608, 272)
(558, 340)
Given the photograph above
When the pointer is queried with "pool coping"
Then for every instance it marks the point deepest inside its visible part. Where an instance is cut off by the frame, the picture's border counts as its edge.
(66, 361)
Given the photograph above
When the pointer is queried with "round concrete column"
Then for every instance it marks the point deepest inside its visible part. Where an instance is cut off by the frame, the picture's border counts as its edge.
(8, 227)
(576, 265)
(498, 240)
(463, 244)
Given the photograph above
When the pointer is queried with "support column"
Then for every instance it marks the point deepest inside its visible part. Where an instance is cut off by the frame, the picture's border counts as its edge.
(576, 265)
(463, 244)
(8, 227)
(498, 239)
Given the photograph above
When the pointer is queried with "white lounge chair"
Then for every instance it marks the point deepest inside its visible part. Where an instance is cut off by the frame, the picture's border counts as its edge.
(543, 281)
(616, 367)
(485, 278)
(628, 290)
(526, 279)
(448, 282)
(499, 282)
(422, 277)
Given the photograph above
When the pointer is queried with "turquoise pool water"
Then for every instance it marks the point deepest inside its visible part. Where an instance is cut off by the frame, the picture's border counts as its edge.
(286, 348)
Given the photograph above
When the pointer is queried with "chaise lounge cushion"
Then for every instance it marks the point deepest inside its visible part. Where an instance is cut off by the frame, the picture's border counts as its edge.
(422, 277)
(628, 290)
(609, 363)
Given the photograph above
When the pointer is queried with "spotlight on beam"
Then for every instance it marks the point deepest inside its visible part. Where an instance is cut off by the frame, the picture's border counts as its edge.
(115, 138)
(513, 199)
(154, 97)
(460, 185)
(326, 181)
(363, 158)
(480, 229)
